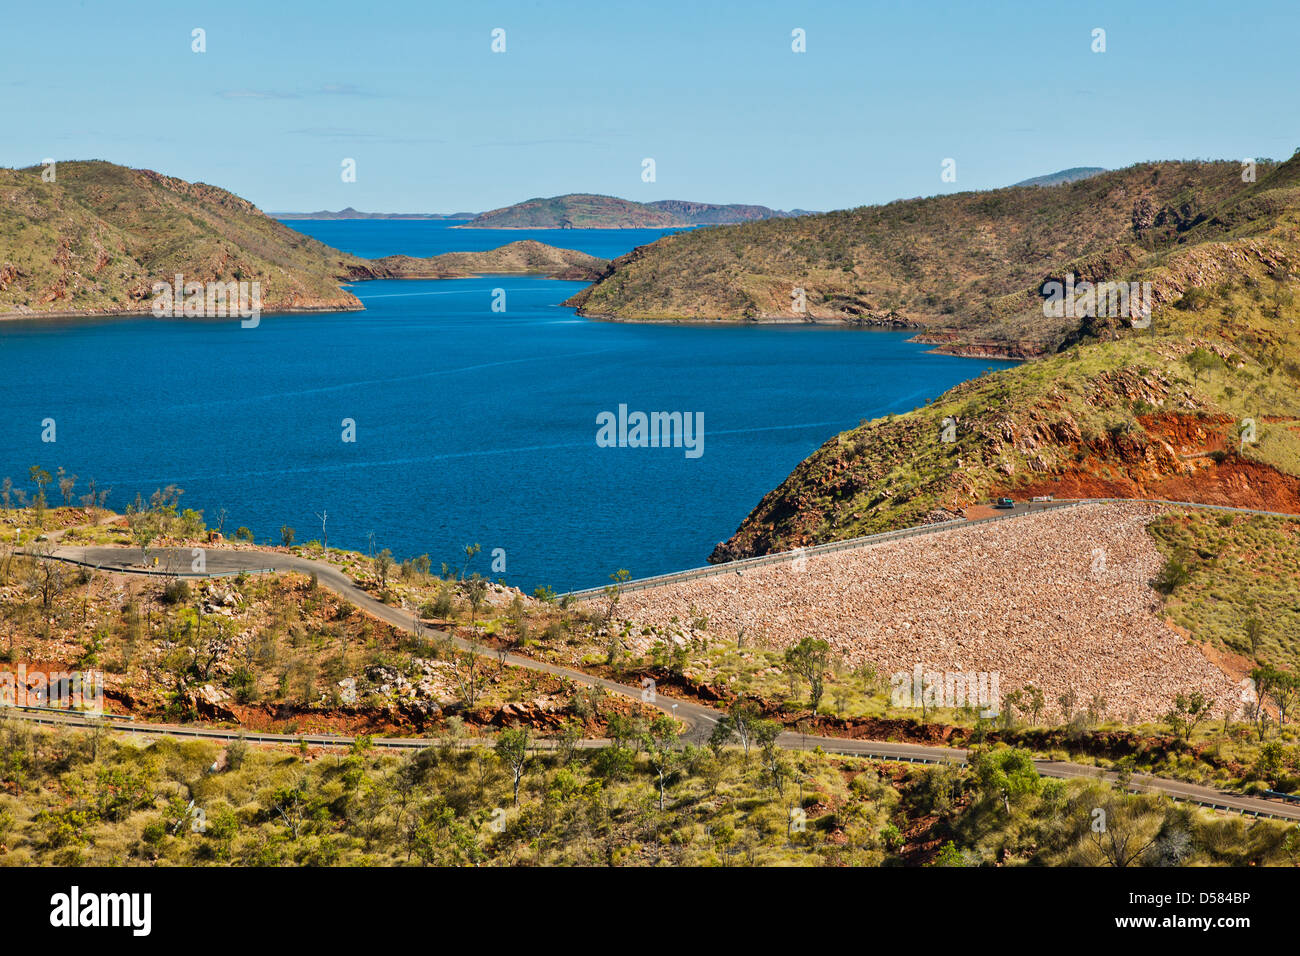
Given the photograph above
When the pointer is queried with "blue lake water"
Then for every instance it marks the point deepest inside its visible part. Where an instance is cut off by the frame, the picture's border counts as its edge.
(374, 238)
(471, 426)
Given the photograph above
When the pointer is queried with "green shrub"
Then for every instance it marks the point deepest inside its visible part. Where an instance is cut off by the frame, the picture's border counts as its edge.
(176, 592)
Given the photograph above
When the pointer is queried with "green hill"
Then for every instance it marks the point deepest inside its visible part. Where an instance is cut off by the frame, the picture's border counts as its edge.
(1116, 410)
(966, 267)
(98, 237)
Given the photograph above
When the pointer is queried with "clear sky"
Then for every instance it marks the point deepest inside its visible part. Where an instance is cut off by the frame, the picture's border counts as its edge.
(711, 90)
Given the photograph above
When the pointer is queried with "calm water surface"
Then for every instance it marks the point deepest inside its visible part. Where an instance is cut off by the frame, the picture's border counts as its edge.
(471, 426)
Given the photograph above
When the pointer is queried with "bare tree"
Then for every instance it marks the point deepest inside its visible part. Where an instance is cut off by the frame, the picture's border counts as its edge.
(1124, 830)
(143, 524)
(46, 577)
(512, 747)
(67, 484)
(470, 679)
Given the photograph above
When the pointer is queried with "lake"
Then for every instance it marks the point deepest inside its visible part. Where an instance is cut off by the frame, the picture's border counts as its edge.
(470, 425)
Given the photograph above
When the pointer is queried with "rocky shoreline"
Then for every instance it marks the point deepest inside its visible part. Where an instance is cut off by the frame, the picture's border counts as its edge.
(148, 312)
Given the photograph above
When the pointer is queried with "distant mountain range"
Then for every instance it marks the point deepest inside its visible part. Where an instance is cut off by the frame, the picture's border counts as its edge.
(350, 213)
(581, 211)
(592, 211)
(1071, 175)
(588, 211)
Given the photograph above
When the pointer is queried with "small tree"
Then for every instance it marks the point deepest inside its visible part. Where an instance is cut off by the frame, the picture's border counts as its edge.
(661, 750)
(1173, 575)
(470, 551)
(286, 536)
(1096, 709)
(739, 722)
(1068, 700)
(67, 483)
(46, 578)
(766, 733)
(1188, 711)
(1036, 701)
(615, 591)
(143, 526)
(91, 497)
(470, 679)
(1254, 629)
(1202, 360)
(477, 591)
(1286, 695)
(809, 659)
(512, 747)
(1271, 683)
(1006, 773)
(383, 565)
(40, 478)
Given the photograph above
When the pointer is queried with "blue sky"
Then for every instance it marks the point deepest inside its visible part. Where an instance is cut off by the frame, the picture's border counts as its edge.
(585, 91)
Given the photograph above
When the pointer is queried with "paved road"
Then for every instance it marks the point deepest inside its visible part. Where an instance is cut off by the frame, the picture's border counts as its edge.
(911, 753)
(698, 718)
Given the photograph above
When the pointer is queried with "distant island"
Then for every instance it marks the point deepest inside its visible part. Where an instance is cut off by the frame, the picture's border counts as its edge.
(350, 213)
(588, 211)
(527, 256)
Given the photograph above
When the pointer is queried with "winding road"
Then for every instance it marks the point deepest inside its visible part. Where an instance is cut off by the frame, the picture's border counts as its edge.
(698, 718)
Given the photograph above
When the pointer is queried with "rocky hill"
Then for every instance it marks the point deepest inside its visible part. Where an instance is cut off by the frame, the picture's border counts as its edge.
(526, 256)
(1201, 406)
(967, 268)
(95, 239)
(586, 211)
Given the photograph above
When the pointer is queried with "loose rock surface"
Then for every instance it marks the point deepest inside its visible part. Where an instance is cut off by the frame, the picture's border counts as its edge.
(1060, 599)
